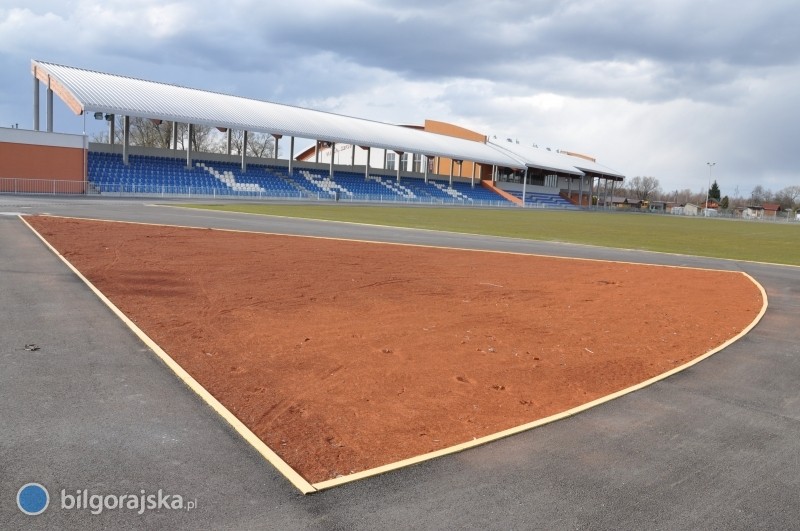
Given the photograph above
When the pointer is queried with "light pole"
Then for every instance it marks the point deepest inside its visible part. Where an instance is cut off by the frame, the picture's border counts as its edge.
(708, 190)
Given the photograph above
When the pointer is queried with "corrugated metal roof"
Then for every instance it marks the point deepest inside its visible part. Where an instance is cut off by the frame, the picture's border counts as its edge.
(536, 157)
(108, 93)
(592, 167)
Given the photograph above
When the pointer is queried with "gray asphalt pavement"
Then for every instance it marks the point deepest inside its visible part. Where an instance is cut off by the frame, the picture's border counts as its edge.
(714, 447)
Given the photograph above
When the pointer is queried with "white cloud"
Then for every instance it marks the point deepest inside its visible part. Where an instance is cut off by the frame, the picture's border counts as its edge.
(655, 88)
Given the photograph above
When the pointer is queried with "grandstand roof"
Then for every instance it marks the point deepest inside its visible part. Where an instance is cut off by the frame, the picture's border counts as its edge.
(546, 159)
(89, 91)
(538, 158)
(591, 167)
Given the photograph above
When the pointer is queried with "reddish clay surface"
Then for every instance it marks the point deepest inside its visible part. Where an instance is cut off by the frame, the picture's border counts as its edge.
(343, 356)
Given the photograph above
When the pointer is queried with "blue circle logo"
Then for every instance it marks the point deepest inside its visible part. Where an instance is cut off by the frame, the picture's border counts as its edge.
(32, 499)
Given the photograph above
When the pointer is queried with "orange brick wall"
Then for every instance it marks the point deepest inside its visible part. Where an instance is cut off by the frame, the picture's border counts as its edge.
(31, 160)
(25, 161)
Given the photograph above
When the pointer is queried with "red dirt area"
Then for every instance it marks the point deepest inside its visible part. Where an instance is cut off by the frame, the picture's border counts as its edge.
(343, 356)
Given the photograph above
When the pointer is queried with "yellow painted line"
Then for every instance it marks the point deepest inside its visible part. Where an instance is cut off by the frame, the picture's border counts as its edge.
(463, 446)
(296, 479)
(322, 485)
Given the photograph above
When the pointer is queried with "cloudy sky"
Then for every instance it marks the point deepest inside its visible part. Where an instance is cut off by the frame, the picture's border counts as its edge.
(650, 88)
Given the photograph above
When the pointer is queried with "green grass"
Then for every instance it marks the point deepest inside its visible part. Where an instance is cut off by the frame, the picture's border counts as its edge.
(719, 238)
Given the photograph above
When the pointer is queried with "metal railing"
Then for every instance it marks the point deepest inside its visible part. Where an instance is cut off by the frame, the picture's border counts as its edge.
(42, 186)
(128, 190)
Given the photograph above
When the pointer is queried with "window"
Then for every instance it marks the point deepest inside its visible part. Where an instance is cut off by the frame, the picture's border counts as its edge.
(417, 164)
(404, 161)
(390, 158)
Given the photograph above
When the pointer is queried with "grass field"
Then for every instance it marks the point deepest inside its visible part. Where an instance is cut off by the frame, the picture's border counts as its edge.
(719, 238)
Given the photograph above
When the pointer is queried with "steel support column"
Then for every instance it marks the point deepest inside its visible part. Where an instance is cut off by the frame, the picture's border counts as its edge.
(612, 192)
(35, 103)
(126, 138)
(333, 152)
(291, 155)
(244, 152)
(524, 186)
(190, 132)
(399, 163)
(49, 109)
(451, 172)
(474, 169)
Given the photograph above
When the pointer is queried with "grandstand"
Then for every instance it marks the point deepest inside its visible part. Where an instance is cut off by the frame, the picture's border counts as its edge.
(435, 163)
(161, 175)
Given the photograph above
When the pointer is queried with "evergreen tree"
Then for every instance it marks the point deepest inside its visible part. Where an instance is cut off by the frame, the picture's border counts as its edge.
(713, 192)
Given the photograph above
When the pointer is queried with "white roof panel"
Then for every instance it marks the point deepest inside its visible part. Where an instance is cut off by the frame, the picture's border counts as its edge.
(536, 157)
(591, 166)
(108, 93)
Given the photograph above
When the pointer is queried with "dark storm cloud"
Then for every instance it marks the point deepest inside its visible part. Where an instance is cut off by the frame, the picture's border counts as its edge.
(696, 45)
(682, 80)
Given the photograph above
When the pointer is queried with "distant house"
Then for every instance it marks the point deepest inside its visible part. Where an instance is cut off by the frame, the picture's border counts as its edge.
(753, 212)
(625, 203)
(661, 206)
(771, 210)
(690, 209)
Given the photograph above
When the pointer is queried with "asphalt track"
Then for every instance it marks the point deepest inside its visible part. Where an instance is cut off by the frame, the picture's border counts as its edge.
(714, 447)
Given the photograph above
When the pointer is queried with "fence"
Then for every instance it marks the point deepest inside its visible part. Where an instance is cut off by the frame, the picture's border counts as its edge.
(42, 186)
(89, 189)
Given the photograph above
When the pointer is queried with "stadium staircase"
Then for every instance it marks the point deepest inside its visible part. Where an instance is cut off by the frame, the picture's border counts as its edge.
(490, 185)
(397, 188)
(229, 179)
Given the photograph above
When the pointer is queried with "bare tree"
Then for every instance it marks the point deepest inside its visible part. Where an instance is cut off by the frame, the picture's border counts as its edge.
(203, 138)
(758, 195)
(643, 188)
(788, 197)
(680, 196)
(149, 133)
(260, 145)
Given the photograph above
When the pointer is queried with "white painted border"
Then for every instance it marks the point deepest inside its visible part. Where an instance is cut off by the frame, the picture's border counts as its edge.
(304, 486)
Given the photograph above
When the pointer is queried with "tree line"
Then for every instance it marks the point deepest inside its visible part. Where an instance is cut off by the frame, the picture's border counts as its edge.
(649, 189)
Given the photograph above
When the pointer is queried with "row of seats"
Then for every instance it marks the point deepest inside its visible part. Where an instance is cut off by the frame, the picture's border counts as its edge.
(546, 200)
(167, 175)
